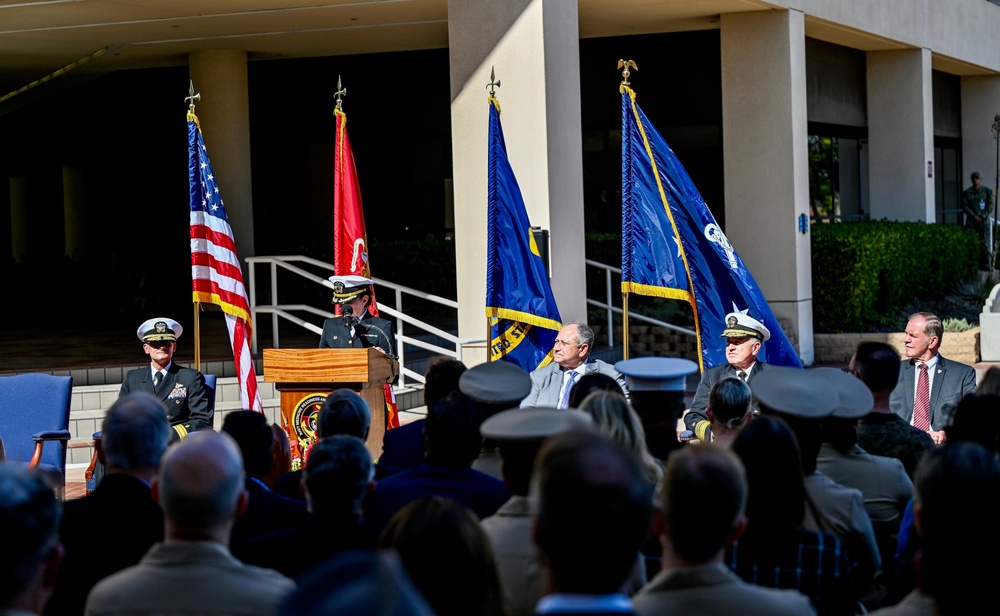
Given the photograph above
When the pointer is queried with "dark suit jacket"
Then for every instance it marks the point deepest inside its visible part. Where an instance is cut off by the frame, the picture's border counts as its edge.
(709, 378)
(293, 551)
(403, 447)
(336, 335)
(478, 491)
(952, 381)
(266, 513)
(182, 390)
(103, 533)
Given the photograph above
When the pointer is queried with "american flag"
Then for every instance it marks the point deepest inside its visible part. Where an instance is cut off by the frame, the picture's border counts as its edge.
(216, 276)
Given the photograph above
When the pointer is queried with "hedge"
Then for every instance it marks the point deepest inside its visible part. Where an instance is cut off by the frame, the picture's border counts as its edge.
(864, 273)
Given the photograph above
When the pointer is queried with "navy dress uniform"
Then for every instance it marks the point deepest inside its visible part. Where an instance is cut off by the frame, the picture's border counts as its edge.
(657, 386)
(182, 390)
(359, 329)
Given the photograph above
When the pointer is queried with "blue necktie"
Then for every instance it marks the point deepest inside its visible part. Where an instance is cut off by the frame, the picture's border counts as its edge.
(570, 381)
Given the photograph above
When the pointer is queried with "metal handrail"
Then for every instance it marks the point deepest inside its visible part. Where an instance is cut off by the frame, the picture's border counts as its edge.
(286, 311)
(611, 309)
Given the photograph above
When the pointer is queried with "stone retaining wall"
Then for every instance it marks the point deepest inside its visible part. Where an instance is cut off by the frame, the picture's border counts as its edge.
(837, 348)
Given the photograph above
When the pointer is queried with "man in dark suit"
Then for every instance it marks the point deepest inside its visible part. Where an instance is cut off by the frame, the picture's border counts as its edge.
(744, 336)
(925, 369)
(451, 443)
(551, 384)
(267, 511)
(359, 329)
(113, 527)
(182, 390)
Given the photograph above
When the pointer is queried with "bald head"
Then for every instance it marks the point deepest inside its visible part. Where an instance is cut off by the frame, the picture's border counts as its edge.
(200, 485)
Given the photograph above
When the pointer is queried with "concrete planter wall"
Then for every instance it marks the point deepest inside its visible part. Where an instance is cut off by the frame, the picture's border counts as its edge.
(837, 348)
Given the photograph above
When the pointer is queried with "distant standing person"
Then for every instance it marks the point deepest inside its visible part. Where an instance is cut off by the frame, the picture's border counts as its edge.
(976, 202)
(182, 390)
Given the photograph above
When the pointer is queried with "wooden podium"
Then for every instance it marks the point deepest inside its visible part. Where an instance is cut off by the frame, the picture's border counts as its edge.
(305, 377)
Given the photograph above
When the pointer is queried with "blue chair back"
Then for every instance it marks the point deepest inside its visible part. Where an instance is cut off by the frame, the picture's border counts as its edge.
(210, 391)
(33, 403)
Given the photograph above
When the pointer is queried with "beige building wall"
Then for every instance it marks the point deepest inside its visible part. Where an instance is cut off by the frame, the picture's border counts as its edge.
(764, 130)
(533, 45)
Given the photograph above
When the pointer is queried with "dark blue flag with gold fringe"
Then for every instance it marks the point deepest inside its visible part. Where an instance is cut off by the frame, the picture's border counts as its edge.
(672, 247)
(523, 316)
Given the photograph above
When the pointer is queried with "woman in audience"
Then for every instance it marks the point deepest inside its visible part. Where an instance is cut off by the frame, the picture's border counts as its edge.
(447, 556)
(614, 416)
(776, 551)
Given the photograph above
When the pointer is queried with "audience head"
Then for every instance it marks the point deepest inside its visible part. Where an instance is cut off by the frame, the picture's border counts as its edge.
(29, 534)
(520, 433)
(441, 378)
(614, 416)
(877, 365)
(776, 488)
(585, 482)
(338, 475)
(447, 556)
(344, 412)
(977, 419)
(854, 401)
(704, 488)
(990, 383)
(135, 433)
(495, 386)
(729, 403)
(360, 583)
(953, 482)
(801, 398)
(588, 384)
(200, 486)
(253, 436)
(451, 432)
(656, 392)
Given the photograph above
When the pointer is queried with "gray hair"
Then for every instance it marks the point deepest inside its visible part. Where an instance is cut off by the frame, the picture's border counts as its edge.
(29, 524)
(584, 333)
(932, 324)
(135, 432)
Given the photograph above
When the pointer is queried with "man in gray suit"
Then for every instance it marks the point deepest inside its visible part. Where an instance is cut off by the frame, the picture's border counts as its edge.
(551, 385)
(701, 504)
(929, 386)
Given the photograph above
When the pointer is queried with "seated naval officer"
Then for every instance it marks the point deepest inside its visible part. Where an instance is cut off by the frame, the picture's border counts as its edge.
(355, 327)
(744, 338)
(182, 390)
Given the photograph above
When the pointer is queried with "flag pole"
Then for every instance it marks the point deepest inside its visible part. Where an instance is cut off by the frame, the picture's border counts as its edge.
(197, 338)
(489, 339)
(625, 325)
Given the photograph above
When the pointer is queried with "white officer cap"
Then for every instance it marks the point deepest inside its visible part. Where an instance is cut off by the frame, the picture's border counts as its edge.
(159, 328)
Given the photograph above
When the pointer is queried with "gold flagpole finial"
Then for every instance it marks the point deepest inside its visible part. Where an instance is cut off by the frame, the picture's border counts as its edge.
(494, 82)
(626, 64)
(191, 97)
(341, 93)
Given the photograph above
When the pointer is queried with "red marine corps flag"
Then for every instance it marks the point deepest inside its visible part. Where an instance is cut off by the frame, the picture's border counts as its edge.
(350, 240)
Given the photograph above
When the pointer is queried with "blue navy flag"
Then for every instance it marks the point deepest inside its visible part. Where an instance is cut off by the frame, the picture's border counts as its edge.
(672, 247)
(524, 319)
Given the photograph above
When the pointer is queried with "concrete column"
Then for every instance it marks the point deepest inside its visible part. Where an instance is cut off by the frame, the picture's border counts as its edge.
(74, 211)
(901, 135)
(534, 47)
(19, 218)
(224, 112)
(764, 133)
(980, 104)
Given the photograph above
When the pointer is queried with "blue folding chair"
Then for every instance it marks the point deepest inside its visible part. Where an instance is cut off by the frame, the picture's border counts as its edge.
(34, 410)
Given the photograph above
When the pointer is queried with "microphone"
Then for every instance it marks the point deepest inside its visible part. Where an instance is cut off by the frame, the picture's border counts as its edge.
(349, 318)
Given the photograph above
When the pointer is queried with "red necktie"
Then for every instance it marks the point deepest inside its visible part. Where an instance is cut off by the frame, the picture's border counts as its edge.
(922, 403)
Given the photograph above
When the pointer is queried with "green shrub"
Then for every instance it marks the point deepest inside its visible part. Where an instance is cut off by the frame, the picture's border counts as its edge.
(863, 273)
